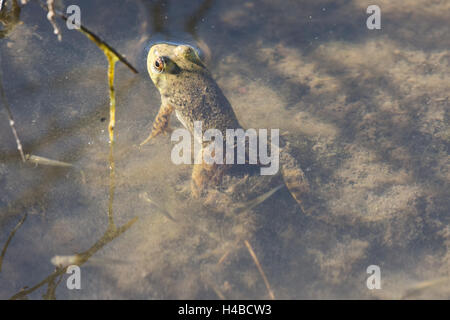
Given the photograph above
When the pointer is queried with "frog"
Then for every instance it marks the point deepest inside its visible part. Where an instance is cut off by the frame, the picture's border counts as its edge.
(188, 89)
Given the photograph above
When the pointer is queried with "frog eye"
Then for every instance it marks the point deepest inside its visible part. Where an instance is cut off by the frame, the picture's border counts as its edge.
(159, 65)
(188, 53)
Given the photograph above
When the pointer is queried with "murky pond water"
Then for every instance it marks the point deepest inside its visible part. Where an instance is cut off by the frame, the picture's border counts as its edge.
(365, 111)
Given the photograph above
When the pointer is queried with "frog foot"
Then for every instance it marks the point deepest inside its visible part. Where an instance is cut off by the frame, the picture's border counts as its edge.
(154, 133)
(161, 123)
(204, 175)
(294, 177)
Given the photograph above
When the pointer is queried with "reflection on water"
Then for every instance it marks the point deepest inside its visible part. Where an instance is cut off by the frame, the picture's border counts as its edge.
(366, 113)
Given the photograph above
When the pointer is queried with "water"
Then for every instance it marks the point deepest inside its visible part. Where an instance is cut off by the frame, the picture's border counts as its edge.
(366, 112)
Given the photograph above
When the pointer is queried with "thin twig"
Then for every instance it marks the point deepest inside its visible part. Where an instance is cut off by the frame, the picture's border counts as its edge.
(50, 294)
(110, 234)
(11, 119)
(224, 256)
(51, 16)
(11, 235)
(227, 253)
(258, 265)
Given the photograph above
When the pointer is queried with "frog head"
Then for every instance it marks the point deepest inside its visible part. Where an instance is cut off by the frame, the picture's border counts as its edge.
(172, 65)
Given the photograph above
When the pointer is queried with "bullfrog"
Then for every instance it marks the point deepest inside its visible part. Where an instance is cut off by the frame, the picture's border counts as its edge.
(188, 89)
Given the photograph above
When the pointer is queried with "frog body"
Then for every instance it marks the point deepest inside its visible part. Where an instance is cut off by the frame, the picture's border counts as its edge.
(188, 89)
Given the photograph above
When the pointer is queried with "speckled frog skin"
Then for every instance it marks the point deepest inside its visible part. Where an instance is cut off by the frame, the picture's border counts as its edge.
(187, 87)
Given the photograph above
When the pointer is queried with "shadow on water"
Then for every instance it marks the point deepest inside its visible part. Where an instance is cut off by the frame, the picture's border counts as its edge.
(158, 11)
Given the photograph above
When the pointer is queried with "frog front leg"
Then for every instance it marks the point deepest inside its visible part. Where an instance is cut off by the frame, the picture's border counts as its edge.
(161, 123)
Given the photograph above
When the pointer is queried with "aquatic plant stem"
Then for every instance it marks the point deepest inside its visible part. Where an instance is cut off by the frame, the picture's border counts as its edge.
(11, 235)
(112, 59)
(258, 265)
(11, 120)
(50, 18)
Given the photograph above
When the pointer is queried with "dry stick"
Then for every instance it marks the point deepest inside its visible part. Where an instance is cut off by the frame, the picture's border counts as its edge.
(51, 288)
(11, 120)
(50, 17)
(224, 256)
(227, 253)
(258, 265)
(2, 255)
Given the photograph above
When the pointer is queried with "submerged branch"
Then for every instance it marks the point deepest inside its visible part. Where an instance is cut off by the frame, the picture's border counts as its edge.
(11, 235)
(51, 289)
(11, 119)
(51, 16)
(261, 271)
(110, 234)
